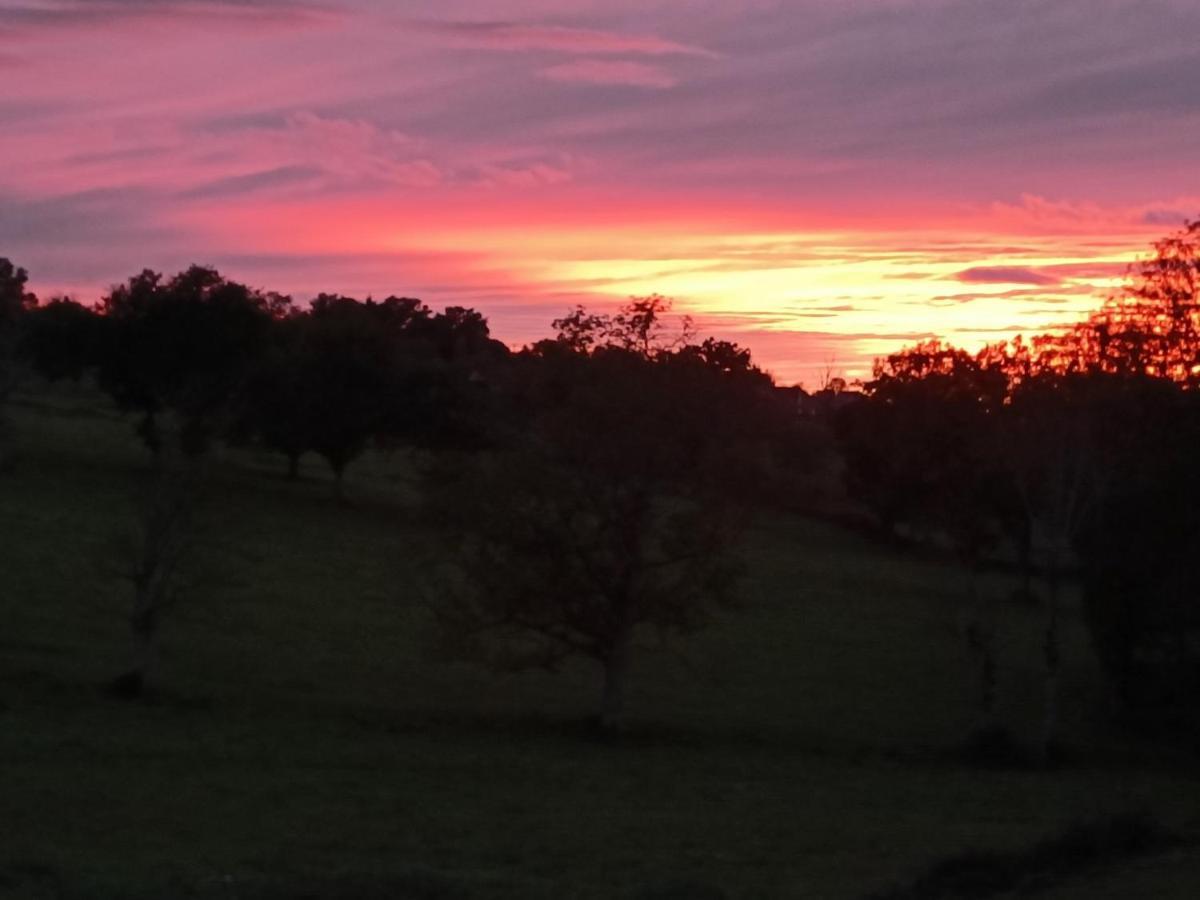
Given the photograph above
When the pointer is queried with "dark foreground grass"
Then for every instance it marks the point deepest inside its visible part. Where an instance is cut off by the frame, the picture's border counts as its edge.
(1082, 847)
(302, 744)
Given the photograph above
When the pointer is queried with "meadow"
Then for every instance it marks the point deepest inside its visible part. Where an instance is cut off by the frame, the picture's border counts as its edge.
(303, 742)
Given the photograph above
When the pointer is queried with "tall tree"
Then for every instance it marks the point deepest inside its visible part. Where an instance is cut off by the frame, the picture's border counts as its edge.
(1061, 466)
(15, 302)
(1152, 327)
(921, 451)
(610, 507)
(156, 557)
(1137, 551)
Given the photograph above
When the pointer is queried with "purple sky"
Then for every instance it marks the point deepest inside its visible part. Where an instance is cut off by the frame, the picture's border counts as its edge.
(822, 181)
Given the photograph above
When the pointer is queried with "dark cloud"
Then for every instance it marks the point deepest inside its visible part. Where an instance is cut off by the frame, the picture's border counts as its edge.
(1005, 275)
(1169, 217)
(92, 237)
(254, 182)
(54, 14)
(100, 216)
(1098, 271)
(557, 39)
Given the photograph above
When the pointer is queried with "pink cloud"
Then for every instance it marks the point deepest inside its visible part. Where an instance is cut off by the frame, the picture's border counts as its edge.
(618, 72)
(560, 39)
(831, 154)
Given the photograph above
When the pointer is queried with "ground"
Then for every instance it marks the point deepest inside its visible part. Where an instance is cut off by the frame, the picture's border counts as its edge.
(303, 742)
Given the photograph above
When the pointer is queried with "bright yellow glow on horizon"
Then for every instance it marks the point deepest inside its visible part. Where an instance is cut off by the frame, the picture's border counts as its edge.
(799, 298)
(862, 289)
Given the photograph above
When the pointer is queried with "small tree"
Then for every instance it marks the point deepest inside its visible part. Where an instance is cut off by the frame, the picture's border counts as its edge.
(610, 508)
(153, 560)
(15, 302)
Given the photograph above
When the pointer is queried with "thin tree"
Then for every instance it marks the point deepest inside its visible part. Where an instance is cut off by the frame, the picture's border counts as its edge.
(155, 558)
(15, 302)
(1057, 460)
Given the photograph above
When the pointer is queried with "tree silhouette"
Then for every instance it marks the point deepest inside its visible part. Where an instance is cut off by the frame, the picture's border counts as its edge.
(640, 326)
(1061, 467)
(610, 507)
(154, 559)
(921, 451)
(347, 373)
(187, 346)
(15, 302)
(1153, 327)
(62, 339)
(1138, 550)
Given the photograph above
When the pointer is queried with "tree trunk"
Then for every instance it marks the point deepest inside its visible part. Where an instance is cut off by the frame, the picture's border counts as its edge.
(981, 644)
(616, 672)
(6, 453)
(143, 625)
(339, 478)
(1026, 557)
(1052, 648)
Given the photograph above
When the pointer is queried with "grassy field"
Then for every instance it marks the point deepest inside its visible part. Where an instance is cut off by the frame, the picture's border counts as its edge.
(303, 744)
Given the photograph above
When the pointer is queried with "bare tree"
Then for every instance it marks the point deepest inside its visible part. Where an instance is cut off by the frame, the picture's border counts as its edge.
(154, 558)
(1060, 471)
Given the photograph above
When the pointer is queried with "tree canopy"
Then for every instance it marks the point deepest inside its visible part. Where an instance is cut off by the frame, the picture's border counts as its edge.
(611, 504)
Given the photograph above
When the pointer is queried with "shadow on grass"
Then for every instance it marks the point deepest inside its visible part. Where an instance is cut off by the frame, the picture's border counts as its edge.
(38, 881)
(42, 882)
(1080, 848)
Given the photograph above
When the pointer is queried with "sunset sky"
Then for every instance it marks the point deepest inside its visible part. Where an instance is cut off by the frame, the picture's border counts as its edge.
(822, 181)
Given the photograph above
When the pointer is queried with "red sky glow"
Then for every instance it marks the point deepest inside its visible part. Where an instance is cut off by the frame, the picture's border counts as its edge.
(823, 182)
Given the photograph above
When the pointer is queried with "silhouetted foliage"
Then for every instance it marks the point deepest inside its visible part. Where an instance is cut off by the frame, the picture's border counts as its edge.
(639, 327)
(1138, 552)
(1150, 328)
(920, 450)
(611, 505)
(1153, 327)
(1054, 447)
(15, 302)
(346, 373)
(187, 345)
(62, 339)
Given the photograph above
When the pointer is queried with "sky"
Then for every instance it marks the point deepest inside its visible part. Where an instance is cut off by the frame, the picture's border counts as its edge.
(821, 181)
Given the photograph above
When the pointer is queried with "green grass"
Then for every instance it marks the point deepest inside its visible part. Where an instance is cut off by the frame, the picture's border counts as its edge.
(303, 743)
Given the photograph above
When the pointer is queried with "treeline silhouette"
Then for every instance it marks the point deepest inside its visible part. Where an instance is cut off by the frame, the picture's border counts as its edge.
(1075, 451)
(594, 485)
(588, 486)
